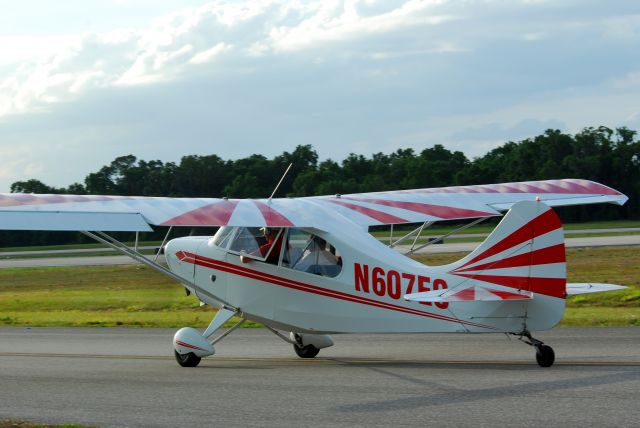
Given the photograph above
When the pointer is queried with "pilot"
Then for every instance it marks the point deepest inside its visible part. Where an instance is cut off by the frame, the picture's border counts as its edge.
(270, 235)
(316, 254)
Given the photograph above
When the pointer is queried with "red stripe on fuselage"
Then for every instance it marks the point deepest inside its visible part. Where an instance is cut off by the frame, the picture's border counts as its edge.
(300, 286)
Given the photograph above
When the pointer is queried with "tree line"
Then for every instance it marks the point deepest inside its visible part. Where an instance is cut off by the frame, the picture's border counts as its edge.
(608, 156)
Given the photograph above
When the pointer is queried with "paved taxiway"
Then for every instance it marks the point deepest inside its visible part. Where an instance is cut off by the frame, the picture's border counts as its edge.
(599, 241)
(126, 377)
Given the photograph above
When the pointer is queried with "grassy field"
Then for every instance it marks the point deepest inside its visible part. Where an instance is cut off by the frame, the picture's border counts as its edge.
(136, 296)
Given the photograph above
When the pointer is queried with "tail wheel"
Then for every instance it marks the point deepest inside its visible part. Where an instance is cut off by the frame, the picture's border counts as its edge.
(545, 356)
(308, 351)
(187, 360)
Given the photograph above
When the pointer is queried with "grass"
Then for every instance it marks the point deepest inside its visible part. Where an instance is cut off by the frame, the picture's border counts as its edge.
(136, 296)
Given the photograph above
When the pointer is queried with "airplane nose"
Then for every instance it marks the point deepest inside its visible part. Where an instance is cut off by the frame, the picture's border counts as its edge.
(180, 255)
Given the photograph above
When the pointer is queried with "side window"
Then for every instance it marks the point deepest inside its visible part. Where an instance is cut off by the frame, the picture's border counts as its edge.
(259, 243)
(310, 253)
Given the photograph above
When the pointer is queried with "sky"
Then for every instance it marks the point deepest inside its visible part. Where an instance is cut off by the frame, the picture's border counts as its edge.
(83, 82)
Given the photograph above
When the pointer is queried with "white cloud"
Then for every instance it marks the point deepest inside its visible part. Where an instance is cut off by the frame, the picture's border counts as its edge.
(368, 75)
(210, 54)
(174, 43)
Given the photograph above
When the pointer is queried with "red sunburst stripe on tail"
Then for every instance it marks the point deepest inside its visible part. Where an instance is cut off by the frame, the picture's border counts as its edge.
(543, 256)
(540, 225)
(380, 216)
(213, 214)
(554, 287)
(272, 217)
(440, 211)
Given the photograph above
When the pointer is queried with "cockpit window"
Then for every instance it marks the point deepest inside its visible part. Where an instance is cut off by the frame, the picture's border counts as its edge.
(310, 253)
(247, 239)
(221, 238)
(260, 243)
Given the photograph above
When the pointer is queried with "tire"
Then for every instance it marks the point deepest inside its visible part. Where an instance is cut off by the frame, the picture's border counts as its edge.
(187, 360)
(308, 351)
(545, 356)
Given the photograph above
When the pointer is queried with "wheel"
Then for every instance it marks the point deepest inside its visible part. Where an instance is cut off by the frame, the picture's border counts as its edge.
(187, 360)
(545, 356)
(308, 351)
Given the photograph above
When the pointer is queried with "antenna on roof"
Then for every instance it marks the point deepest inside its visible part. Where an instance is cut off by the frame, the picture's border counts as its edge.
(280, 182)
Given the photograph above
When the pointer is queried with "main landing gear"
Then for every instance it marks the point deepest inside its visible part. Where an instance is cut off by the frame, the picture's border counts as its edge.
(190, 346)
(305, 345)
(544, 353)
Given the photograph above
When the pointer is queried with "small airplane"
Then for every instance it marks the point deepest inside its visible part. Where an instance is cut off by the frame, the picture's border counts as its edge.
(307, 267)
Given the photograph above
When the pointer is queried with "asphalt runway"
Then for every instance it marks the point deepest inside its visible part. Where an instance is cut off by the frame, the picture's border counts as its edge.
(127, 377)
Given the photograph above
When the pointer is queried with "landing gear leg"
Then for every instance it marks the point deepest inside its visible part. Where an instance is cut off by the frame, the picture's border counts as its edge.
(190, 346)
(544, 353)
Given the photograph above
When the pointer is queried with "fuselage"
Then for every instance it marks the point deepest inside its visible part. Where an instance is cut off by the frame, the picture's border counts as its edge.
(362, 293)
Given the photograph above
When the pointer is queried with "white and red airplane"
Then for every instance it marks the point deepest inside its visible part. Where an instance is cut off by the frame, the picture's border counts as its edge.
(320, 272)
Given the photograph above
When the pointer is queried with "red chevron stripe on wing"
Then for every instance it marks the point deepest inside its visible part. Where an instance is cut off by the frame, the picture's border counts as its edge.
(380, 216)
(562, 187)
(440, 211)
(271, 216)
(23, 199)
(218, 213)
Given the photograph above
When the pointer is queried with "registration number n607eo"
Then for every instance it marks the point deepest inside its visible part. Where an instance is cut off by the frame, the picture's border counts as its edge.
(392, 283)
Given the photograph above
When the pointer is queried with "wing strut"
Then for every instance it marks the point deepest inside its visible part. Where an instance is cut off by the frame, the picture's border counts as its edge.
(155, 259)
(418, 232)
(135, 255)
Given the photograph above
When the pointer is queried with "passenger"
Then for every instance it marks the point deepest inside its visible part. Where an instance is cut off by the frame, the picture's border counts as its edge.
(270, 235)
(316, 254)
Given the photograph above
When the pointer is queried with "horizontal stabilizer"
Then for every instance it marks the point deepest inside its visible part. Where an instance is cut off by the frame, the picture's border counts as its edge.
(588, 287)
(469, 294)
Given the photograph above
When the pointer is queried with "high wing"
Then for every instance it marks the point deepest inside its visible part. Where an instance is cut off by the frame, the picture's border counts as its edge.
(132, 213)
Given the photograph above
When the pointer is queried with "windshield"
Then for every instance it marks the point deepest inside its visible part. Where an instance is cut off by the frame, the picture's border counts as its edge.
(221, 238)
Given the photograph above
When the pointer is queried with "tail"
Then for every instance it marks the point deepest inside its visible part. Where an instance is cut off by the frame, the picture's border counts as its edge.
(520, 267)
(525, 253)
